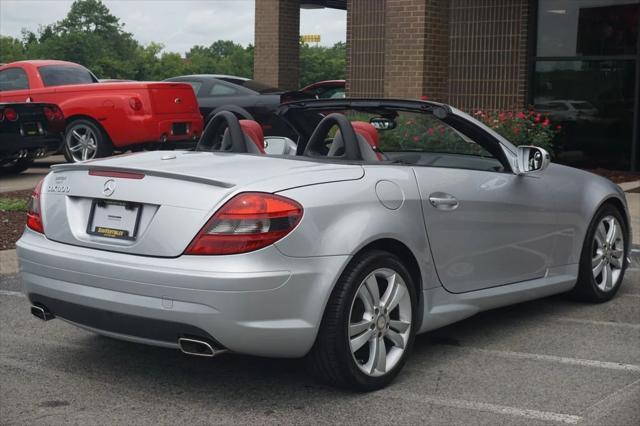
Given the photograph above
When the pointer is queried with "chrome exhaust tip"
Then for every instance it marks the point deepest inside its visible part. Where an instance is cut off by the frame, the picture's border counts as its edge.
(198, 347)
(41, 313)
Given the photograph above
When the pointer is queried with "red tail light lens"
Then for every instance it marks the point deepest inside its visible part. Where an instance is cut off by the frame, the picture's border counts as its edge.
(34, 216)
(53, 113)
(10, 114)
(247, 222)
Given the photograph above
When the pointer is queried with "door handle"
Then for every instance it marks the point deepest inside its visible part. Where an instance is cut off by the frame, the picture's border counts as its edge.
(443, 201)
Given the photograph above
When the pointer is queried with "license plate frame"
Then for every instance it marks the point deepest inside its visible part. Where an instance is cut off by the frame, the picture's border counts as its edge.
(130, 231)
(179, 129)
(31, 128)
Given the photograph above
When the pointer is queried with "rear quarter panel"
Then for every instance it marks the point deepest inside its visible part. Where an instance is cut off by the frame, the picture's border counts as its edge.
(341, 218)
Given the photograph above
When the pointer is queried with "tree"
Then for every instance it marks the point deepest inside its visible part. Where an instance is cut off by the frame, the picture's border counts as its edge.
(89, 35)
(11, 49)
(319, 63)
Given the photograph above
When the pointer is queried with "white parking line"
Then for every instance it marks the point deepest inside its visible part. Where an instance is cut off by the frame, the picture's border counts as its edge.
(559, 359)
(594, 322)
(608, 403)
(484, 406)
(11, 293)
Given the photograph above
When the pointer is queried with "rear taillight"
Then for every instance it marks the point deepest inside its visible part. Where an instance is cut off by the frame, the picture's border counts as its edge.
(10, 114)
(247, 222)
(34, 212)
(116, 174)
(53, 113)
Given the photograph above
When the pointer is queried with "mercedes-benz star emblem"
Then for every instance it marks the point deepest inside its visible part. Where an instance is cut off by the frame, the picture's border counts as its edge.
(109, 187)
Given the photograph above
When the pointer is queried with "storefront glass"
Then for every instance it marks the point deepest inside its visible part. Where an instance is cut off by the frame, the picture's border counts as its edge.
(585, 77)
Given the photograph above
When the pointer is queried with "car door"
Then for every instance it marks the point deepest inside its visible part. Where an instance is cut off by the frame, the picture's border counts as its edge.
(486, 225)
(14, 85)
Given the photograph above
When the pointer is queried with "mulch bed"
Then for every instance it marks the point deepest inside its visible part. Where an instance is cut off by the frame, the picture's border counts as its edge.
(12, 223)
(616, 175)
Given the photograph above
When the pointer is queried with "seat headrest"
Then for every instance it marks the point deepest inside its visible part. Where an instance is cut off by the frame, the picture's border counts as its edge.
(254, 131)
(368, 131)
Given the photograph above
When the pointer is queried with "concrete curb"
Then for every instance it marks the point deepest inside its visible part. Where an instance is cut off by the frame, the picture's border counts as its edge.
(629, 186)
(8, 262)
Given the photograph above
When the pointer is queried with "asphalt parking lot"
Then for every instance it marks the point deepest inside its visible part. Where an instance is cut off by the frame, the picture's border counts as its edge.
(546, 361)
(542, 362)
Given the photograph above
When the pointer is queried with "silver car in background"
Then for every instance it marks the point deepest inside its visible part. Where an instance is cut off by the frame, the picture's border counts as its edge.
(383, 220)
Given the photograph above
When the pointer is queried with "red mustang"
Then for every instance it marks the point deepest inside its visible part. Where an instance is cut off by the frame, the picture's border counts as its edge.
(105, 117)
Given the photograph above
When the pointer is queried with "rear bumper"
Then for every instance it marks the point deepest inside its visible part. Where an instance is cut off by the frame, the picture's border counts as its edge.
(260, 303)
(12, 145)
(139, 129)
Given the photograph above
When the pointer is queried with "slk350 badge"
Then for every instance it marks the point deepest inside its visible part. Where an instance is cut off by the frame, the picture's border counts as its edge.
(58, 188)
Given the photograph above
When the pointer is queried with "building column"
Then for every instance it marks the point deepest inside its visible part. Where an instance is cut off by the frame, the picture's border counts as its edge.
(277, 43)
(398, 48)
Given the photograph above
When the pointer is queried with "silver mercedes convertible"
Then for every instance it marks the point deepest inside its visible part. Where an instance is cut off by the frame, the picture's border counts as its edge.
(368, 222)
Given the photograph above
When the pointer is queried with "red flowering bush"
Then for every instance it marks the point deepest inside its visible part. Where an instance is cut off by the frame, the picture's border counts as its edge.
(521, 128)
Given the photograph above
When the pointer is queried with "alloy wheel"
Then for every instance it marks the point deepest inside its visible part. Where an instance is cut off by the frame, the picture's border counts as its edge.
(380, 322)
(607, 257)
(82, 142)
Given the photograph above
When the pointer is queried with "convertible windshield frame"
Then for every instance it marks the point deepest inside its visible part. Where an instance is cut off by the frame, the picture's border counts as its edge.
(382, 107)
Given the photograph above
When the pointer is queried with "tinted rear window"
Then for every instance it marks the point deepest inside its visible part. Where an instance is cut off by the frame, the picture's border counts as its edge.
(62, 75)
(256, 86)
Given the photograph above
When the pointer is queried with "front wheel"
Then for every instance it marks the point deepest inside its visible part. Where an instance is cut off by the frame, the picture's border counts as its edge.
(603, 260)
(85, 140)
(369, 324)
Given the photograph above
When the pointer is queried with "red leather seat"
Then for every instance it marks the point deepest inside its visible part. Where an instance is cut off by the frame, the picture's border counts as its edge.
(254, 131)
(370, 135)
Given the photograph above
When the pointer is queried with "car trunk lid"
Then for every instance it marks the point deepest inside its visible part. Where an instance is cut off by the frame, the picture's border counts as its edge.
(172, 98)
(155, 203)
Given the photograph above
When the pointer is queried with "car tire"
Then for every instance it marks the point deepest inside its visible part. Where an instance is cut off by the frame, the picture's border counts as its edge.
(336, 357)
(84, 139)
(16, 166)
(604, 257)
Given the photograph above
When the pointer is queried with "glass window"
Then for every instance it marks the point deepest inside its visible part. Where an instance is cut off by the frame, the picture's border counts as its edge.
(195, 85)
(587, 27)
(63, 75)
(423, 140)
(222, 90)
(592, 101)
(13, 79)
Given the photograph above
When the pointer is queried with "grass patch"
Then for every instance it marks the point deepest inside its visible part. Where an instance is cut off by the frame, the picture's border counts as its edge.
(13, 204)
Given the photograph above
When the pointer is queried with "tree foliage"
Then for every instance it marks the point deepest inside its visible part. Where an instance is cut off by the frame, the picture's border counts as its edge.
(90, 35)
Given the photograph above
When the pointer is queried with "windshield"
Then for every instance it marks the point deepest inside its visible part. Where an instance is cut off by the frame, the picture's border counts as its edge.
(408, 137)
(62, 75)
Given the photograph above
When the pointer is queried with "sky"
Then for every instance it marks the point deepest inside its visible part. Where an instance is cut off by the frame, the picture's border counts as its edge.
(178, 24)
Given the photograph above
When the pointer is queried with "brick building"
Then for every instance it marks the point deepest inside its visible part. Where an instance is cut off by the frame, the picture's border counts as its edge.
(574, 60)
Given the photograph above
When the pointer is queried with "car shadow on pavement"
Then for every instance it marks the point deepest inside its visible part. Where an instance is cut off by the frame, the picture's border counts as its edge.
(151, 367)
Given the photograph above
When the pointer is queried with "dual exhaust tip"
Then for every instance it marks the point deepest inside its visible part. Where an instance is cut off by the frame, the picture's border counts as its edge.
(190, 346)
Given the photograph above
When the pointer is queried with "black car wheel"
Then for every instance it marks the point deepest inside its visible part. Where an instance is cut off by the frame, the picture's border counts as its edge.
(603, 259)
(368, 326)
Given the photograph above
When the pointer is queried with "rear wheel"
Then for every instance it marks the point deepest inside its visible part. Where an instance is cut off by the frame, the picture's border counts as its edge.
(603, 260)
(369, 324)
(85, 140)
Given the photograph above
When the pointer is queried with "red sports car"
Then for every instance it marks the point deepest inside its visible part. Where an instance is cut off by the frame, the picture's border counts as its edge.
(105, 117)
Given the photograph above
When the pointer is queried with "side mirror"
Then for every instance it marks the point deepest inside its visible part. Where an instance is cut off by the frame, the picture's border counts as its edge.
(532, 159)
